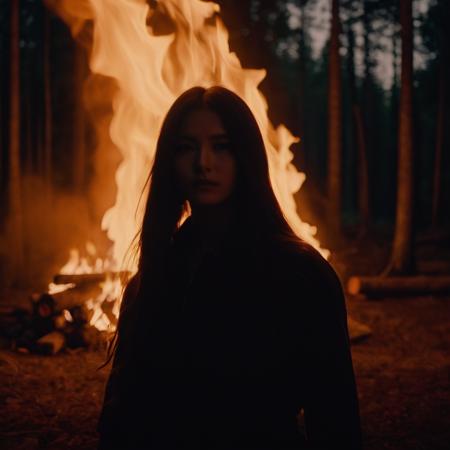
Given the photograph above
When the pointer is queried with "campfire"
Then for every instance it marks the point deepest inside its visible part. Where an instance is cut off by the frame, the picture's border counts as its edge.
(79, 310)
(151, 67)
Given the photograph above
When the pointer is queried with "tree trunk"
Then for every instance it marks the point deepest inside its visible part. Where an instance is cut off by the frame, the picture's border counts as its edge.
(79, 125)
(402, 253)
(395, 70)
(359, 132)
(2, 169)
(363, 116)
(398, 286)
(439, 144)
(47, 160)
(29, 153)
(15, 239)
(302, 69)
(334, 174)
(88, 278)
(301, 157)
(391, 167)
(40, 153)
(363, 172)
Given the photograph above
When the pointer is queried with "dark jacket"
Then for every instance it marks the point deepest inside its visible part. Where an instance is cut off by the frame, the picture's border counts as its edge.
(243, 343)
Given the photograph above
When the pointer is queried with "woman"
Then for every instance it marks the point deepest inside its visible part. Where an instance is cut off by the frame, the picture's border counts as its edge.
(233, 332)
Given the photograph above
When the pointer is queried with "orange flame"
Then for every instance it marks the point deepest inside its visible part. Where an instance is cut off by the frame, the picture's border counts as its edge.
(151, 71)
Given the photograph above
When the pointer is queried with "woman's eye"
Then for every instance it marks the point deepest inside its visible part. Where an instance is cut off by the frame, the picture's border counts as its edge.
(222, 146)
(184, 148)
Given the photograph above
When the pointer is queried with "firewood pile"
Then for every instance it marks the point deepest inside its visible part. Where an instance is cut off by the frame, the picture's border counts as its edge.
(56, 322)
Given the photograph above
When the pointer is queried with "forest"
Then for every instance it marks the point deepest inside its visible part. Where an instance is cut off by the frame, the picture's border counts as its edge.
(361, 85)
(372, 125)
(349, 84)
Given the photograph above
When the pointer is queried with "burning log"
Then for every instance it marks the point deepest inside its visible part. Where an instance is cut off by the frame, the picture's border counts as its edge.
(42, 316)
(76, 296)
(52, 323)
(65, 318)
(25, 327)
(75, 329)
(51, 343)
(398, 286)
(88, 278)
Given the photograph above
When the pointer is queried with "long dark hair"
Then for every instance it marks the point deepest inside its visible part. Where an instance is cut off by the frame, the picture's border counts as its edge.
(258, 208)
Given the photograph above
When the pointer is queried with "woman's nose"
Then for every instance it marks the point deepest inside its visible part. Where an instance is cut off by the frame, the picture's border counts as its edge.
(205, 157)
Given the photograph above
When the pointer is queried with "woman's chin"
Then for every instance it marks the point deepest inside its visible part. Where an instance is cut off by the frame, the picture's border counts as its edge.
(205, 203)
(205, 200)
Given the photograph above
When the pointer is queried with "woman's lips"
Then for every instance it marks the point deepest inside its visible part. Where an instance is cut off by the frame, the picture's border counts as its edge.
(205, 184)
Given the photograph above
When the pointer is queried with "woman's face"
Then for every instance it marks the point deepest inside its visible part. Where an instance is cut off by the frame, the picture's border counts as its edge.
(204, 162)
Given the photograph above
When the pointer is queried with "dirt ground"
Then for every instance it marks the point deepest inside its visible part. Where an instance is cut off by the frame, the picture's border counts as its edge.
(402, 370)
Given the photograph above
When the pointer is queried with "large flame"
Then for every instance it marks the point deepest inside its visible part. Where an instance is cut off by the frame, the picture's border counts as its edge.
(151, 71)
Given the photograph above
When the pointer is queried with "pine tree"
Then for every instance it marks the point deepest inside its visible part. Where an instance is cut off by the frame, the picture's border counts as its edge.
(15, 222)
(334, 168)
(402, 260)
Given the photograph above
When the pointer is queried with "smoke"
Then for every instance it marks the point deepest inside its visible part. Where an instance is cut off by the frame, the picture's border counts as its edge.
(50, 229)
(56, 223)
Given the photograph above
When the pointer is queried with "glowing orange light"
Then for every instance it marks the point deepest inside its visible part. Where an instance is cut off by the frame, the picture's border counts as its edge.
(151, 71)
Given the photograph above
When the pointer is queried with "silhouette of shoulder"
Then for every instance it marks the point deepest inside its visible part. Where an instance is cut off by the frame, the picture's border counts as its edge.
(303, 276)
